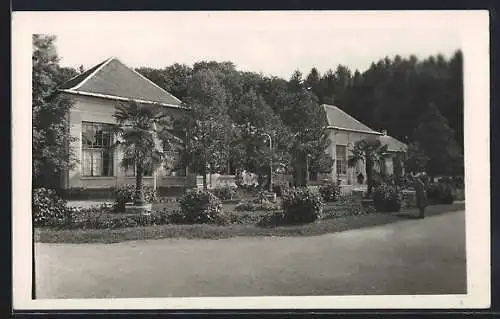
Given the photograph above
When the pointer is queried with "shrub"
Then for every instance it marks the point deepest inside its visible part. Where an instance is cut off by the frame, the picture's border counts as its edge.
(246, 191)
(126, 193)
(200, 206)
(301, 205)
(246, 218)
(225, 192)
(387, 198)
(102, 217)
(257, 205)
(278, 218)
(280, 189)
(49, 209)
(347, 205)
(330, 192)
(440, 193)
(246, 206)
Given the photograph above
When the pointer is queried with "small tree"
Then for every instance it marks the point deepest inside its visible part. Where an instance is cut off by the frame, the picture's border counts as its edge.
(138, 129)
(52, 155)
(437, 140)
(371, 152)
(207, 150)
(415, 159)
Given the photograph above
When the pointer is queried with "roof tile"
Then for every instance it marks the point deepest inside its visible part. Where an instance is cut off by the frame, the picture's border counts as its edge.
(115, 79)
(341, 120)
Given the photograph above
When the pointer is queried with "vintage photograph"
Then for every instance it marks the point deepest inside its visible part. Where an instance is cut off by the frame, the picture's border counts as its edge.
(248, 154)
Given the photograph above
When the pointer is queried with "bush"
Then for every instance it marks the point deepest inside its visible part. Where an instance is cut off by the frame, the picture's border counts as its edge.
(440, 193)
(257, 205)
(103, 218)
(274, 219)
(246, 218)
(225, 192)
(200, 206)
(49, 209)
(387, 198)
(280, 189)
(330, 192)
(348, 205)
(126, 193)
(301, 205)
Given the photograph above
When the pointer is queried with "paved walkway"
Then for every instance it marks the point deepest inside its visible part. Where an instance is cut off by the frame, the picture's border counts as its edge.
(409, 257)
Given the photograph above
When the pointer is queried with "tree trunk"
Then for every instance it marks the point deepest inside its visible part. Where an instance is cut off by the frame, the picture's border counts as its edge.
(139, 195)
(270, 181)
(369, 175)
(398, 170)
(204, 173)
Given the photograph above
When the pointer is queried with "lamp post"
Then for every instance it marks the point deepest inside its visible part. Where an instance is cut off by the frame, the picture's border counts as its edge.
(270, 163)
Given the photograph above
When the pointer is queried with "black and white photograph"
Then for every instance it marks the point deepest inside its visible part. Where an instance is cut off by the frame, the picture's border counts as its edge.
(251, 159)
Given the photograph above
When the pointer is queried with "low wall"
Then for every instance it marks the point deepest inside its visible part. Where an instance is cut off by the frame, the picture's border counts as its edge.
(104, 188)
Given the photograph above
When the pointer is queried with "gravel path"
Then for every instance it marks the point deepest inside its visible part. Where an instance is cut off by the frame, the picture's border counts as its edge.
(409, 257)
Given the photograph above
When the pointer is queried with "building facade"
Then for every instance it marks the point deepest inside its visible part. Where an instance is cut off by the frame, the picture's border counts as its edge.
(344, 131)
(95, 95)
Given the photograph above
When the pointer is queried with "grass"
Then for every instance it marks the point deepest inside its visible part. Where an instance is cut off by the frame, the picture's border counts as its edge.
(205, 231)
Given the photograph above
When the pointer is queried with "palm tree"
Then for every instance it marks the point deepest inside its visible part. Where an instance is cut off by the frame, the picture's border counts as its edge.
(138, 129)
(371, 152)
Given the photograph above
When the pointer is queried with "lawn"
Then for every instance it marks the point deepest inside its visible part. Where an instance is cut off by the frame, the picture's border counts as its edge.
(330, 223)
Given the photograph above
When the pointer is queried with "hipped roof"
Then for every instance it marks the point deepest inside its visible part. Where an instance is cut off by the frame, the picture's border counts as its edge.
(111, 79)
(338, 119)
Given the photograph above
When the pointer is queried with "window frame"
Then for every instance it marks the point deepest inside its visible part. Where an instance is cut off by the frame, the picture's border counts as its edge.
(343, 161)
(107, 154)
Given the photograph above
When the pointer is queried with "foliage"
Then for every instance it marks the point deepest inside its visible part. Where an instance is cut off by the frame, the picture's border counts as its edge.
(347, 205)
(246, 191)
(257, 205)
(51, 156)
(330, 192)
(137, 128)
(387, 198)
(49, 209)
(224, 192)
(440, 193)
(127, 194)
(101, 217)
(200, 206)
(372, 153)
(280, 189)
(208, 147)
(436, 138)
(415, 160)
(301, 205)
(392, 94)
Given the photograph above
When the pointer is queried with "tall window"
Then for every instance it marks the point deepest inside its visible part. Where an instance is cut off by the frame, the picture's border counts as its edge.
(97, 154)
(341, 159)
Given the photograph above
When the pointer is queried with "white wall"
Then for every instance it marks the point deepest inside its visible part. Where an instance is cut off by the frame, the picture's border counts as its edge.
(346, 138)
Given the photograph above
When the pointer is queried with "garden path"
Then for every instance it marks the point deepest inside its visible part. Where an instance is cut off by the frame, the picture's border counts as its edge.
(408, 257)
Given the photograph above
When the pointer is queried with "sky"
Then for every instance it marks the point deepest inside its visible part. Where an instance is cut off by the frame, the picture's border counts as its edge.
(274, 43)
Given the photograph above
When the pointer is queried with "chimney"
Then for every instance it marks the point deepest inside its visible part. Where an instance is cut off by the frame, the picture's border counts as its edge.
(384, 132)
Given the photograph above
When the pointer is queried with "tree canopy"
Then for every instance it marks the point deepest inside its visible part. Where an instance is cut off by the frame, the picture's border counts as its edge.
(392, 94)
(51, 154)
